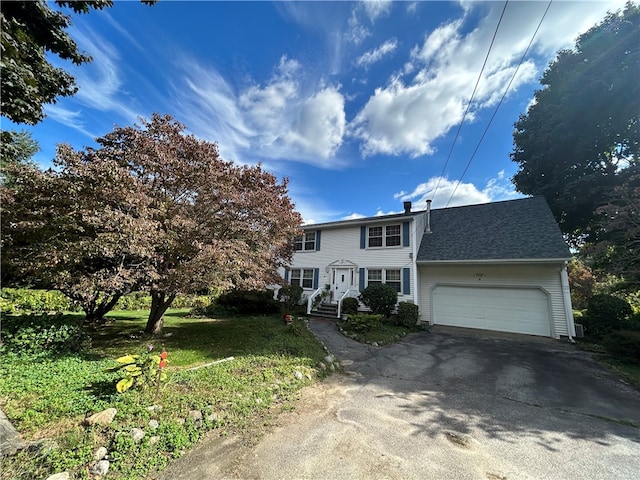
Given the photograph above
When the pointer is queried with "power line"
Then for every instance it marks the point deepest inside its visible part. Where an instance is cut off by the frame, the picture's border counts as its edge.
(499, 103)
(495, 33)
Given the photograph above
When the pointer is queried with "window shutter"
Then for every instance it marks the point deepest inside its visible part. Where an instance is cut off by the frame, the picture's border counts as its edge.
(316, 275)
(318, 240)
(363, 237)
(286, 274)
(361, 279)
(406, 281)
(405, 234)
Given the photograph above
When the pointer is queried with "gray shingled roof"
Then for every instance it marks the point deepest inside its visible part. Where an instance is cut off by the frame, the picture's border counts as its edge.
(522, 229)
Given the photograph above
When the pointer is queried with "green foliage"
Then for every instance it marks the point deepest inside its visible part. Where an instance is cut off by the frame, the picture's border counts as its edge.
(35, 333)
(583, 128)
(407, 314)
(49, 395)
(350, 306)
(623, 345)
(605, 314)
(380, 298)
(15, 300)
(364, 322)
(140, 371)
(248, 302)
(290, 295)
(16, 148)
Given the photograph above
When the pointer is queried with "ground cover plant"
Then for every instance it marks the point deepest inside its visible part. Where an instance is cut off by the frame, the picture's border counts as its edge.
(48, 394)
(372, 328)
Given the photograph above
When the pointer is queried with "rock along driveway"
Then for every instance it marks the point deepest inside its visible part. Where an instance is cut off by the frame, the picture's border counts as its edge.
(444, 405)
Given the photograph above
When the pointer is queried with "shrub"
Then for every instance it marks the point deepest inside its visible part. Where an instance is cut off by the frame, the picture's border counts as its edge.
(364, 322)
(290, 295)
(142, 371)
(350, 306)
(605, 314)
(16, 300)
(35, 333)
(134, 301)
(407, 314)
(247, 302)
(380, 298)
(624, 345)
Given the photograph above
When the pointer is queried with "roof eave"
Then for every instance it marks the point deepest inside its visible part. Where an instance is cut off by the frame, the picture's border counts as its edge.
(494, 260)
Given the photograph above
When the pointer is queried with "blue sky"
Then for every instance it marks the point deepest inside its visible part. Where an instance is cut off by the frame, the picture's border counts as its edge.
(357, 103)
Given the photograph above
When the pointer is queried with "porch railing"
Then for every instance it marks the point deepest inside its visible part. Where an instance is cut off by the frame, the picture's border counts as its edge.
(348, 293)
(310, 299)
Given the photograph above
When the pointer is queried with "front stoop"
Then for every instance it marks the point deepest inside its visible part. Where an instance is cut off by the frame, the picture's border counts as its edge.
(326, 310)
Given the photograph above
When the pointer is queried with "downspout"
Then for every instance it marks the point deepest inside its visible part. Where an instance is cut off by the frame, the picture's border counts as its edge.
(568, 310)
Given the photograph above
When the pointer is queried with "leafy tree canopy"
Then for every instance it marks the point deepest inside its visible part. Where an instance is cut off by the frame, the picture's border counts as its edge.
(150, 208)
(30, 29)
(583, 129)
(15, 148)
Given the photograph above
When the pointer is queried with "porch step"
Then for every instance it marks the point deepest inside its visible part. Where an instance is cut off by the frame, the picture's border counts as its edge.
(326, 310)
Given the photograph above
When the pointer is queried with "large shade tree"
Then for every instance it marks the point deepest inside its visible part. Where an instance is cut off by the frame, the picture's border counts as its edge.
(79, 228)
(582, 132)
(151, 207)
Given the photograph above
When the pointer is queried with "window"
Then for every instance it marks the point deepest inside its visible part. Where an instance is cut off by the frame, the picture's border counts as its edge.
(387, 236)
(389, 277)
(392, 238)
(302, 277)
(375, 236)
(392, 279)
(305, 242)
(374, 276)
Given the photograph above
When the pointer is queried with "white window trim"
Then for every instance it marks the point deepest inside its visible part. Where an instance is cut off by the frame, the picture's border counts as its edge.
(302, 277)
(384, 235)
(384, 276)
(304, 243)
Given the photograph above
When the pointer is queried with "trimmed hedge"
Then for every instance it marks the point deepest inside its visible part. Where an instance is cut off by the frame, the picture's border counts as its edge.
(36, 333)
(407, 314)
(605, 314)
(17, 300)
(380, 298)
(350, 306)
(247, 302)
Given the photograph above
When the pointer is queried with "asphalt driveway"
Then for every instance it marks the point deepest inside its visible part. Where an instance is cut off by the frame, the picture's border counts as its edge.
(445, 404)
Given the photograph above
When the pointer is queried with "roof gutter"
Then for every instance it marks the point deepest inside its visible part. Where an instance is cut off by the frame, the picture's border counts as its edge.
(495, 260)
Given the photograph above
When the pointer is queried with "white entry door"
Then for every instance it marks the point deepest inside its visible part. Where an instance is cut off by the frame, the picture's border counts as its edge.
(341, 282)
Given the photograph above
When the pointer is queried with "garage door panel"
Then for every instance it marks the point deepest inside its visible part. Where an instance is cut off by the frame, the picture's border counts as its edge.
(517, 310)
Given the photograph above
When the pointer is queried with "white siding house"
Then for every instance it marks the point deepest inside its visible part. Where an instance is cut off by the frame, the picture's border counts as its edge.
(498, 266)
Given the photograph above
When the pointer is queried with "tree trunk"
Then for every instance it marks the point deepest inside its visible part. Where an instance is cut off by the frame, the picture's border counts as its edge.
(95, 311)
(160, 301)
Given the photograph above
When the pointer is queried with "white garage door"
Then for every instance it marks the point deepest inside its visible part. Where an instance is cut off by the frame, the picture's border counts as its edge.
(517, 310)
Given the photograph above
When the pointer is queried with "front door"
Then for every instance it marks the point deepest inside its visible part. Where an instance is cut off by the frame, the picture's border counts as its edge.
(341, 282)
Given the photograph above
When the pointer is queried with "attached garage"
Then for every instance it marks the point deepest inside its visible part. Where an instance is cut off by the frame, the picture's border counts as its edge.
(516, 310)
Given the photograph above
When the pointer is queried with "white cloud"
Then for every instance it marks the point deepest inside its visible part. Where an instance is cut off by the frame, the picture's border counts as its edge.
(496, 188)
(353, 216)
(287, 117)
(356, 33)
(70, 118)
(428, 98)
(372, 56)
(376, 8)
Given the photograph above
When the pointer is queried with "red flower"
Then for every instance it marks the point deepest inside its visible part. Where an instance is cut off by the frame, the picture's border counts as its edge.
(163, 363)
(163, 355)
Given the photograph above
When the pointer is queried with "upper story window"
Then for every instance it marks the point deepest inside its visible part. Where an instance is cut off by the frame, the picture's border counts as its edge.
(305, 242)
(387, 236)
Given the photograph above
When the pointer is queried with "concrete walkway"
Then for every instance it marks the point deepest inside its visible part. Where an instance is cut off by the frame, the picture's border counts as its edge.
(447, 404)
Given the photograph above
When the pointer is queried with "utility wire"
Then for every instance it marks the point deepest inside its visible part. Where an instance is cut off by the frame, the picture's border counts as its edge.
(470, 100)
(499, 103)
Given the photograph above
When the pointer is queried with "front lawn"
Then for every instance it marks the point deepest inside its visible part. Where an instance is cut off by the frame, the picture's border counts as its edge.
(47, 396)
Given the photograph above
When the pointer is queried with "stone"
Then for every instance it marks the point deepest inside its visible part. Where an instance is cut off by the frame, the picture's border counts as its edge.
(101, 468)
(212, 417)
(329, 359)
(100, 453)
(153, 424)
(104, 417)
(374, 344)
(153, 440)
(322, 366)
(154, 408)
(43, 447)
(137, 434)
(59, 476)
(195, 415)
(298, 375)
(10, 439)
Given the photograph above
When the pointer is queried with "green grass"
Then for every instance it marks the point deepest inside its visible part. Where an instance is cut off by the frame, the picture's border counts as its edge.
(48, 396)
(629, 372)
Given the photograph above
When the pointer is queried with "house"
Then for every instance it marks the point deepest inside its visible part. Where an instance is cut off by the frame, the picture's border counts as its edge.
(496, 266)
